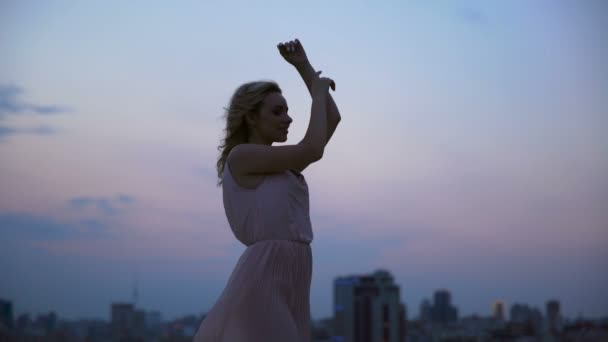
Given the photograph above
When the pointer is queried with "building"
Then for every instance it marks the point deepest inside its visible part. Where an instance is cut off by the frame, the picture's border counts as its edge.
(122, 319)
(368, 308)
(554, 320)
(442, 311)
(6, 315)
(521, 315)
(47, 322)
(425, 310)
(153, 321)
(498, 309)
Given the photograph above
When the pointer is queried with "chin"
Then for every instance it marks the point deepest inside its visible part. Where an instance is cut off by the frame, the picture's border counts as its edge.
(282, 138)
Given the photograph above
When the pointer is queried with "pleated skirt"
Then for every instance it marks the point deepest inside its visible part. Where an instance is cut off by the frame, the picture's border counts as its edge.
(266, 298)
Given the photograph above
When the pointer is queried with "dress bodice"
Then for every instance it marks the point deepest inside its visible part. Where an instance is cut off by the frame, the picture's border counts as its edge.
(278, 208)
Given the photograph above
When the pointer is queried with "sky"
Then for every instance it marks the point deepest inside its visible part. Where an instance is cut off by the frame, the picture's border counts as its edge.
(471, 155)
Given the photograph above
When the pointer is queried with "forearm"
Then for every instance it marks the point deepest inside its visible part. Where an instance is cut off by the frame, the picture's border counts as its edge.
(316, 133)
(308, 74)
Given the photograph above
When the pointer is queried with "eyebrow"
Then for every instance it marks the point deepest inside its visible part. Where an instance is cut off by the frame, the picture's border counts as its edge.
(281, 106)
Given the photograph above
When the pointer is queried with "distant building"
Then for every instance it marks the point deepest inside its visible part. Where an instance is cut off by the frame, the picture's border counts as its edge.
(153, 321)
(48, 322)
(442, 310)
(6, 315)
(368, 308)
(554, 320)
(122, 316)
(139, 322)
(523, 315)
(498, 309)
(322, 330)
(520, 313)
(425, 310)
(23, 321)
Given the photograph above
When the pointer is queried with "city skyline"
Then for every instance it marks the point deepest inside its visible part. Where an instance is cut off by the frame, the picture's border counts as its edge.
(413, 311)
(366, 307)
(471, 154)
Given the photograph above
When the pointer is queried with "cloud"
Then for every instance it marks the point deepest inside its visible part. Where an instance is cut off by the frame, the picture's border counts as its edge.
(47, 109)
(125, 198)
(42, 130)
(6, 131)
(108, 206)
(24, 226)
(10, 103)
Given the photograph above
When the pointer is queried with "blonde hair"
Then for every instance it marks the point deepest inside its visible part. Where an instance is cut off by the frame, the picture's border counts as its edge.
(247, 99)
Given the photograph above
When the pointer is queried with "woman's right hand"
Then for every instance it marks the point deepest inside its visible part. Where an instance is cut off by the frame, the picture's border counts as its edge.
(321, 85)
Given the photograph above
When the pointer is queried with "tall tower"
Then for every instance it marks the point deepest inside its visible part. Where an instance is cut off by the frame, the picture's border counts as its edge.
(553, 316)
(368, 308)
(121, 319)
(442, 310)
(498, 309)
(425, 310)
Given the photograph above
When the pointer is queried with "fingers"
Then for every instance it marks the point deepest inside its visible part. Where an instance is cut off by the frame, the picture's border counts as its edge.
(332, 84)
(289, 46)
(282, 48)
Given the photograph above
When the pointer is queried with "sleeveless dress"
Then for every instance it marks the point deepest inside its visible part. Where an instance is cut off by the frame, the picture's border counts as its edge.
(267, 296)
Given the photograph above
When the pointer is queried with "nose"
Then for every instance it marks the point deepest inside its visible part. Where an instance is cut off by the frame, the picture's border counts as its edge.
(287, 124)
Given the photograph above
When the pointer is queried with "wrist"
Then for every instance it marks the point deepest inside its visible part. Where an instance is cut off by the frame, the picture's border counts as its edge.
(319, 95)
(303, 66)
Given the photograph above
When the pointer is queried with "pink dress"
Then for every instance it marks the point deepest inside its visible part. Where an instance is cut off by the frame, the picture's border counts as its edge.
(267, 297)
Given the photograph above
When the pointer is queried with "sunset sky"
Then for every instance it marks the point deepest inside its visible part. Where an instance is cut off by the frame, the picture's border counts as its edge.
(472, 153)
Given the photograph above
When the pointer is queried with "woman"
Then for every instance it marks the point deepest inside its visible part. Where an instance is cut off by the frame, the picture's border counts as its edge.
(266, 202)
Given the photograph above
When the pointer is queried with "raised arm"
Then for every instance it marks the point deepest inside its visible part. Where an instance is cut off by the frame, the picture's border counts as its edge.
(294, 54)
(264, 159)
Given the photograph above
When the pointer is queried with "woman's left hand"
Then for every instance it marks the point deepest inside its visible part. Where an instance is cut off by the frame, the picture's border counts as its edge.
(293, 52)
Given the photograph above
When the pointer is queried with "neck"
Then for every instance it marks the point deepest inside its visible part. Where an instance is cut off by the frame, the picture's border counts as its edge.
(255, 139)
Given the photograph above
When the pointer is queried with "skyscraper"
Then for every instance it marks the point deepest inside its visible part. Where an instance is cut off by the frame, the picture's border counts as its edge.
(553, 316)
(520, 313)
(442, 310)
(524, 314)
(425, 310)
(6, 315)
(498, 309)
(122, 319)
(368, 308)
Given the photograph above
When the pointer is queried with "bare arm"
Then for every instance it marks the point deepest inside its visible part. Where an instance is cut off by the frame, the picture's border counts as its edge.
(294, 54)
(317, 126)
(333, 115)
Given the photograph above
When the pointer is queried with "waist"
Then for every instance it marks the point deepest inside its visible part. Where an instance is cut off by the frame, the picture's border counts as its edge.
(307, 243)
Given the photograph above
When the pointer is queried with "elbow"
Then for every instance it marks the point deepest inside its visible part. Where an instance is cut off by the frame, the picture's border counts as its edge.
(318, 154)
(337, 117)
(313, 153)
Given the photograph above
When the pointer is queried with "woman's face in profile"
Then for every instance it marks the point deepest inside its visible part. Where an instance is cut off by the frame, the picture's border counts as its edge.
(274, 120)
